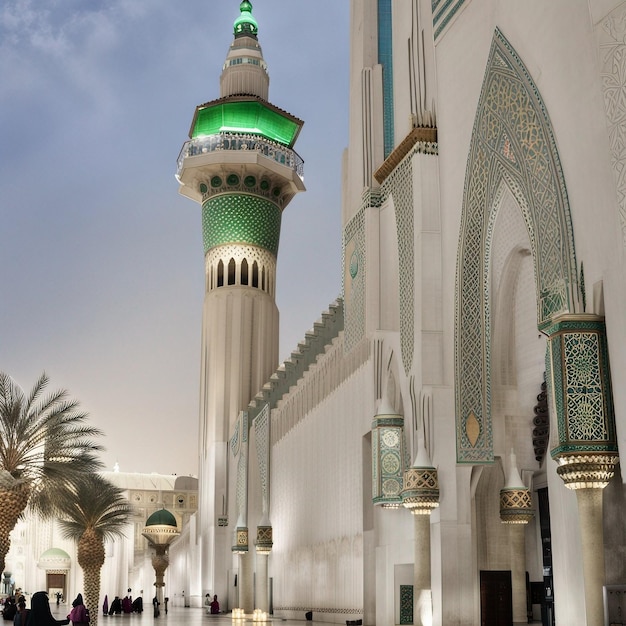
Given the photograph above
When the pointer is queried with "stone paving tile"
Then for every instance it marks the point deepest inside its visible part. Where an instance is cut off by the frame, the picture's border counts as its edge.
(178, 616)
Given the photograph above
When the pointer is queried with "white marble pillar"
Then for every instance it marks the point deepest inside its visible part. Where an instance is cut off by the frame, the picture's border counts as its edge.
(517, 544)
(592, 535)
(422, 593)
(262, 582)
(246, 583)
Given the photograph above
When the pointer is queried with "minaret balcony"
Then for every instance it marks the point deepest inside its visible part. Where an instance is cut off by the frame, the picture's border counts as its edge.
(217, 145)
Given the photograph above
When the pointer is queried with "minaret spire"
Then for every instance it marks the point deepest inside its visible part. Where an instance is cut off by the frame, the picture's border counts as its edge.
(245, 70)
(240, 166)
(245, 25)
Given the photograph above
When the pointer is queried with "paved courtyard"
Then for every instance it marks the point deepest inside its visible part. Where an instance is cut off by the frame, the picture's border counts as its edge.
(177, 616)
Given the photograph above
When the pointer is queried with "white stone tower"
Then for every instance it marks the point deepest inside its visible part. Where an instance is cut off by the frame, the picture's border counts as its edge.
(239, 165)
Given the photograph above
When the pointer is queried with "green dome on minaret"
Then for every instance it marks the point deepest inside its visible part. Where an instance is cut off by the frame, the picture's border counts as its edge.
(245, 25)
(162, 517)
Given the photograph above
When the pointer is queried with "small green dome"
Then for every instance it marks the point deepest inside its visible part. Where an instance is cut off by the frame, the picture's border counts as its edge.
(55, 553)
(161, 517)
(245, 25)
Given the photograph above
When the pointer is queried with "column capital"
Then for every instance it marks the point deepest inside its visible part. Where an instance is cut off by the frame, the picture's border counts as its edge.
(241, 540)
(264, 539)
(587, 471)
(420, 492)
(516, 506)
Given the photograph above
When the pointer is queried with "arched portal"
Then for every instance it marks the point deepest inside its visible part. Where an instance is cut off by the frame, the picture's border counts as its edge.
(513, 148)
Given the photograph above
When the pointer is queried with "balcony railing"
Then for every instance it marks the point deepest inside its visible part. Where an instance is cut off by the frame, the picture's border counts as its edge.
(238, 141)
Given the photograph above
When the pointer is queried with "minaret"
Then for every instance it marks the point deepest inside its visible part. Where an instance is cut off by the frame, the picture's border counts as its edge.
(240, 166)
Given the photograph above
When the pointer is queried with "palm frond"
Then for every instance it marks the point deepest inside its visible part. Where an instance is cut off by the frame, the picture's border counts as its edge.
(45, 440)
(94, 503)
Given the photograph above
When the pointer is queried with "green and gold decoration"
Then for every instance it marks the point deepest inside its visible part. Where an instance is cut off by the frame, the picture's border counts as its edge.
(580, 386)
(420, 492)
(516, 504)
(388, 457)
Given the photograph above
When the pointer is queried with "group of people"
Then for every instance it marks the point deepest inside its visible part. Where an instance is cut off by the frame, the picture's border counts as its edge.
(40, 613)
(212, 606)
(15, 609)
(127, 605)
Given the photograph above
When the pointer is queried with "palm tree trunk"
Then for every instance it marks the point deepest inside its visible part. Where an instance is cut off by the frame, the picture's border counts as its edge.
(91, 559)
(12, 505)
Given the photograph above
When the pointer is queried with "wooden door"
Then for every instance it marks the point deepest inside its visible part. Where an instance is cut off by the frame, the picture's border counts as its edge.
(496, 598)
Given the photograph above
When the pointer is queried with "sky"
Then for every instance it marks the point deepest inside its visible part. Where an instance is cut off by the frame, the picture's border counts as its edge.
(101, 258)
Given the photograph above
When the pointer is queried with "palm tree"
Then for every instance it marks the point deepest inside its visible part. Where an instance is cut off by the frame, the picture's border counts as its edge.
(44, 442)
(91, 512)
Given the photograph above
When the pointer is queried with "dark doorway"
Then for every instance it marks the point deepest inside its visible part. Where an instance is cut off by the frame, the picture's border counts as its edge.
(496, 598)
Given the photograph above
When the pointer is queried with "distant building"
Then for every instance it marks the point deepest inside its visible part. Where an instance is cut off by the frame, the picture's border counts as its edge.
(41, 559)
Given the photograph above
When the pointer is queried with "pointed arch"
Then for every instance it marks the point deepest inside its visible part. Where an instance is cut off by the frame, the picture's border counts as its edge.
(513, 147)
(231, 271)
(244, 272)
(255, 274)
(220, 273)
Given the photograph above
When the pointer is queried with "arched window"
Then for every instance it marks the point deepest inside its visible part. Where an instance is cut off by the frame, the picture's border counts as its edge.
(220, 274)
(255, 274)
(244, 272)
(231, 272)
(263, 278)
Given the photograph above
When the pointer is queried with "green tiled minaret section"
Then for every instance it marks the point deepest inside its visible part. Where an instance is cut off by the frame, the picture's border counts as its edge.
(240, 218)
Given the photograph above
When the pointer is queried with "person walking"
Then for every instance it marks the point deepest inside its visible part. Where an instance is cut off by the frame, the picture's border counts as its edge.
(79, 615)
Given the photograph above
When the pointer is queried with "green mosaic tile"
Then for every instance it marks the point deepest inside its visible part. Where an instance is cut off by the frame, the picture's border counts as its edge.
(581, 387)
(406, 604)
(241, 218)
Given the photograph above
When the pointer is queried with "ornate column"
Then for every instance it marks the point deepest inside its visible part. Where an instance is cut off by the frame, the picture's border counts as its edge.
(160, 530)
(246, 573)
(264, 543)
(239, 446)
(580, 387)
(264, 534)
(389, 456)
(420, 495)
(516, 510)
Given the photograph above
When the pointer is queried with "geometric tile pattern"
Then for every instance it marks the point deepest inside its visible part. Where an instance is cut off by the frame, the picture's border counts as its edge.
(512, 146)
(399, 185)
(239, 448)
(406, 604)
(354, 273)
(516, 505)
(385, 58)
(443, 12)
(613, 75)
(262, 432)
(388, 458)
(580, 386)
(241, 218)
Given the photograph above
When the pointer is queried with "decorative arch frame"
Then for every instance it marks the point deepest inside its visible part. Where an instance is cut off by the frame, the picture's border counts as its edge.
(512, 145)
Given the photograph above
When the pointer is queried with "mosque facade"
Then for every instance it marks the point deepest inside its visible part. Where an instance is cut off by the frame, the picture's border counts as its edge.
(442, 448)
(443, 445)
